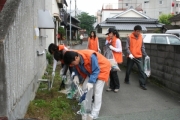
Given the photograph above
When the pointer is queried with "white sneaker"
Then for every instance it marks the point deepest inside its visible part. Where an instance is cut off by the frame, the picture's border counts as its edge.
(93, 117)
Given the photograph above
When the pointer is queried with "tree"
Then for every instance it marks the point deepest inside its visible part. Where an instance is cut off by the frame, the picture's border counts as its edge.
(62, 32)
(164, 18)
(86, 21)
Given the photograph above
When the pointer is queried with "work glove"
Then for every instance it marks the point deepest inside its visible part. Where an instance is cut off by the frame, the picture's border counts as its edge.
(76, 80)
(111, 47)
(61, 72)
(72, 75)
(131, 56)
(89, 86)
(147, 57)
(64, 78)
(99, 50)
(53, 73)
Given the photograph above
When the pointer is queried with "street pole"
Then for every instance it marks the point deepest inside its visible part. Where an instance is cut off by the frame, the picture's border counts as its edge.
(70, 23)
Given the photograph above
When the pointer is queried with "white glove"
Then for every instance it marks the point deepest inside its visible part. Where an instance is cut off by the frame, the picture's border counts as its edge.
(63, 77)
(61, 72)
(73, 73)
(147, 57)
(99, 50)
(53, 73)
(89, 86)
(131, 56)
(76, 80)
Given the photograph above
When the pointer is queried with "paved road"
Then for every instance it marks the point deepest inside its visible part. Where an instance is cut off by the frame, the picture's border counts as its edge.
(133, 103)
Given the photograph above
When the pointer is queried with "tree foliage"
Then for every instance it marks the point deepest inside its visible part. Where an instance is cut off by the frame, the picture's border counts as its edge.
(86, 21)
(164, 18)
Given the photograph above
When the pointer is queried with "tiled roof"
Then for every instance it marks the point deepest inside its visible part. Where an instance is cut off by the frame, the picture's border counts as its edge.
(175, 18)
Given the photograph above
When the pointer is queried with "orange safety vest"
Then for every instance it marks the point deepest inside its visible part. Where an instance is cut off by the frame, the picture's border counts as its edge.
(135, 45)
(117, 55)
(61, 47)
(104, 64)
(93, 44)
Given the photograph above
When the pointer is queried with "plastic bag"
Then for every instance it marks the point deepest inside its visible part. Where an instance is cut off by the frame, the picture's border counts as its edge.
(109, 55)
(147, 66)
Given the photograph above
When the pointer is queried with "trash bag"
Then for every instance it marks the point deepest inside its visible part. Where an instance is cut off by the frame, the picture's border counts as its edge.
(147, 66)
(109, 55)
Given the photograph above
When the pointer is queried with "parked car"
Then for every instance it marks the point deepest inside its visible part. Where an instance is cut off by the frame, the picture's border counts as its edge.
(161, 39)
(174, 32)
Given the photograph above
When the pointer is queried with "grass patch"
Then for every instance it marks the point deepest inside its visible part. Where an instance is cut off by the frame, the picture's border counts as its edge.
(52, 105)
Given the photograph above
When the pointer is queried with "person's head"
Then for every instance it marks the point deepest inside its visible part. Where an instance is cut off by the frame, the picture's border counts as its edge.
(52, 48)
(58, 55)
(92, 34)
(110, 32)
(71, 57)
(137, 30)
(115, 33)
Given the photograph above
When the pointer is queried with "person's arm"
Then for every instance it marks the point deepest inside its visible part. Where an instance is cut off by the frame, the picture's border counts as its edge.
(95, 69)
(118, 47)
(54, 65)
(99, 50)
(65, 48)
(127, 46)
(143, 49)
(87, 44)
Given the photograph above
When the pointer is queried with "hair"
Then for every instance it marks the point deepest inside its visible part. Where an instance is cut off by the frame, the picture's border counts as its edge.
(94, 34)
(137, 27)
(52, 47)
(69, 57)
(58, 55)
(115, 32)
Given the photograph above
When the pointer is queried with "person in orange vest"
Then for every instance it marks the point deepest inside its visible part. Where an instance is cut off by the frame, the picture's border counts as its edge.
(116, 47)
(94, 68)
(136, 50)
(93, 42)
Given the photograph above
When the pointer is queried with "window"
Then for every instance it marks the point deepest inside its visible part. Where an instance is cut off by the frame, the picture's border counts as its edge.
(126, 4)
(176, 12)
(160, 12)
(159, 39)
(160, 2)
(173, 40)
(176, 5)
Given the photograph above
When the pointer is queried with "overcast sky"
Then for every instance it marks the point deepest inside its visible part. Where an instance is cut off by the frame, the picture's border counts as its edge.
(89, 6)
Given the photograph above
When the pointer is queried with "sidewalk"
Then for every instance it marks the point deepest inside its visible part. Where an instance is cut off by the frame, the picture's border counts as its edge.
(133, 103)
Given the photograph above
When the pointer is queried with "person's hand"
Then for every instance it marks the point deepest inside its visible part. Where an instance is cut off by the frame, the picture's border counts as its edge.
(76, 80)
(99, 50)
(147, 57)
(131, 56)
(111, 47)
(53, 73)
(63, 77)
(89, 86)
(61, 72)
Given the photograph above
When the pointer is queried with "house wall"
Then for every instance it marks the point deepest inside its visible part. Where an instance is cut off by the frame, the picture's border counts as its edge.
(175, 23)
(130, 14)
(109, 13)
(20, 66)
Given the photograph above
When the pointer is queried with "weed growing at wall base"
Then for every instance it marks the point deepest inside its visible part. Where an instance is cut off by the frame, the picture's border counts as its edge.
(52, 105)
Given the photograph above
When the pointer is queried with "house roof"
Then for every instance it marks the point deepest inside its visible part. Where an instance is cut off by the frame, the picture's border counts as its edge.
(175, 18)
(131, 19)
(68, 24)
(168, 27)
(73, 18)
(123, 22)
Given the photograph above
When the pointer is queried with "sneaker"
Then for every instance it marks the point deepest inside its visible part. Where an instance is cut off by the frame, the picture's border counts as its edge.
(143, 87)
(109, 89)
(92, 117)
(116, 90)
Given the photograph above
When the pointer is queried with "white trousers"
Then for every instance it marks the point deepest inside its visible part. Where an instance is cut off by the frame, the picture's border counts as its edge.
(98, 89)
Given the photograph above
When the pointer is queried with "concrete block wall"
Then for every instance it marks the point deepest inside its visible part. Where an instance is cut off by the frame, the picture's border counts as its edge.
(19, 63)
(165, 63)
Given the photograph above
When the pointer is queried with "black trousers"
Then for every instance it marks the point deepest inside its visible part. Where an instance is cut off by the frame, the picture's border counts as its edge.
(139, 63)
(114, 80)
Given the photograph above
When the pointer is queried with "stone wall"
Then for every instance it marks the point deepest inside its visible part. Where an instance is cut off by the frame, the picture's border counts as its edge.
(165, 63)
(19, 63)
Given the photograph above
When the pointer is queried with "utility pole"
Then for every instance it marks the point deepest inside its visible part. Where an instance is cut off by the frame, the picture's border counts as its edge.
(75, 9)
(70, 23)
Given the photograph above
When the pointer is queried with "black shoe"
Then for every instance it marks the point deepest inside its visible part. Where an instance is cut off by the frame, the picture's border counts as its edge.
(126, 82)
(143, 87)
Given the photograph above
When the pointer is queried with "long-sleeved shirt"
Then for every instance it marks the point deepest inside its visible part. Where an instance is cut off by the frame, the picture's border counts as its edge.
(118, 47)
(95, 68)
(128, 49)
